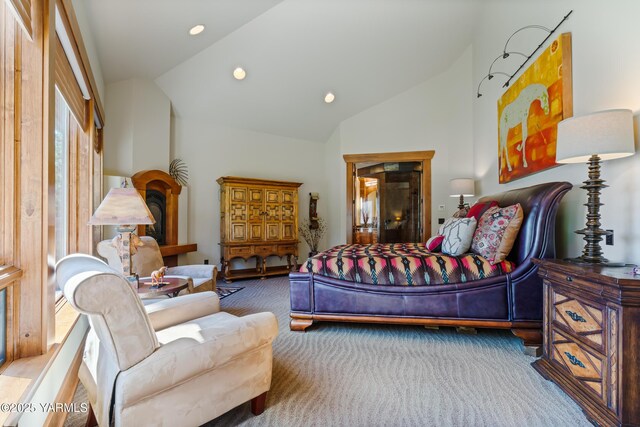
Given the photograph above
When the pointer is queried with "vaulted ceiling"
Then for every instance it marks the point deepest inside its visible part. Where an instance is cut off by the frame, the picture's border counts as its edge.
(294, 51)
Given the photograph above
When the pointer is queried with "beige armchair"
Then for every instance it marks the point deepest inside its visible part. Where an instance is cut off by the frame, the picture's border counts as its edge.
(148, 258)
(179, 362)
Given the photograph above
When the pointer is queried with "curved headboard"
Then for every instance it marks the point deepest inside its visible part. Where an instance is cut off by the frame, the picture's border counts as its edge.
(540, 203)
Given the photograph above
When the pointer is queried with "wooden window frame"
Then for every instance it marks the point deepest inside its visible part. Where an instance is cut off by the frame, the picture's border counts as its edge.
(27, 233)
(423, 157)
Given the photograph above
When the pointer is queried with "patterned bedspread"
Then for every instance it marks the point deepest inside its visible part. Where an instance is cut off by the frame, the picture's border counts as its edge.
(404, 264)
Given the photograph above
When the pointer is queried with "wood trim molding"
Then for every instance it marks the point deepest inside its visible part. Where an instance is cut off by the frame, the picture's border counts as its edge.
(22, 12)
(426, 321)
(72, 28)
(423, 157)
(256, 181)
(9, 274)
(405, 156)
(67, 83)
(160, 181)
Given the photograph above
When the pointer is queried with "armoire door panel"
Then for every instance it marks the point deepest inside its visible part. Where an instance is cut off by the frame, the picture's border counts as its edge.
(272, 212)
(256, 195)
(238, 232)
(238, 194)
(288, 196)
(256, 232)
(238, 212)
(288, 231)
(273, 196)
(288, 212)
(255, 212)
(273, 231)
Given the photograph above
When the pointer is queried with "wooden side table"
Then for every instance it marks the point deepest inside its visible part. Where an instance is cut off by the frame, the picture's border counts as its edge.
(592, 338)
(172, 289)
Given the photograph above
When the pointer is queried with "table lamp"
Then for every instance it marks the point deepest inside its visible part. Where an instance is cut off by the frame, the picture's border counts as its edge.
(461, 187)
(590, 139)
(125, 208)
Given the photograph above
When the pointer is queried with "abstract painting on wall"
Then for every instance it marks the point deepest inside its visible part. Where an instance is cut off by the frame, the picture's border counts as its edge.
(530, 110)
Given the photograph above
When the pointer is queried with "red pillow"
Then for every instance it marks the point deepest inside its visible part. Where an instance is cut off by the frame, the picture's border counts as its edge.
(478, 209)
(434, 243)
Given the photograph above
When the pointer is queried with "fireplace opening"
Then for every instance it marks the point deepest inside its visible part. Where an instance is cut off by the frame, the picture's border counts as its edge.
(157, 203)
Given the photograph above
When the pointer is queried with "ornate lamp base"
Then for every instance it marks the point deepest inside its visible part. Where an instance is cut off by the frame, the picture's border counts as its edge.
(593, 234)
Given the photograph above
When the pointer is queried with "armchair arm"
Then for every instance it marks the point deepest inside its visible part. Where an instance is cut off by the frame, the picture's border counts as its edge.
(173, 311)
(193, 348)
(204, 271)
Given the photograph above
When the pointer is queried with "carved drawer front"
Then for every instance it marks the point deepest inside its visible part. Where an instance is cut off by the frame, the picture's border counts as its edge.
(289, 231)
(238, 194)
(264, 250)
(238, 232)
(588, 367)
(239, 250)
(273, 231)
(256, 195)
(273, 196)
(256, 232)
(578, 317)
(287, 249)
(288, 196)
(255, 212)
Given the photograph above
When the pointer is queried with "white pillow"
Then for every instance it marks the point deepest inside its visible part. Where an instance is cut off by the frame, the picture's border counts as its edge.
(458, 235)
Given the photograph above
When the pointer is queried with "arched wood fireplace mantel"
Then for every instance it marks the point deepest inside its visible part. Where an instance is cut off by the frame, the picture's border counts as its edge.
(161, 192)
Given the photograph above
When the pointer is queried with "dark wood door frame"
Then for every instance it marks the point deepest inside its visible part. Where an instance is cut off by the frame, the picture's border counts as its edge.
(423, 157)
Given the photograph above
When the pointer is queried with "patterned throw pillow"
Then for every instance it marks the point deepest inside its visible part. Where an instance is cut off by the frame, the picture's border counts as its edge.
(458, 233)
(497, 231)
(434, 243)
(480, 208)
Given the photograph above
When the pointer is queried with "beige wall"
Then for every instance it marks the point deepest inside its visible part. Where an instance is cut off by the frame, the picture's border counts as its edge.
(137, 132)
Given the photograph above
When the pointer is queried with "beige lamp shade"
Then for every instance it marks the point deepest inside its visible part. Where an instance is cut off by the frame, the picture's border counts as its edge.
(122, 206)
(608, 134)
(462, 187)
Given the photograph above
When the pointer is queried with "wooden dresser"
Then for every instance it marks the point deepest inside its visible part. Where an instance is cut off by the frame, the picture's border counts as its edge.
(258, 218)
(592, 339)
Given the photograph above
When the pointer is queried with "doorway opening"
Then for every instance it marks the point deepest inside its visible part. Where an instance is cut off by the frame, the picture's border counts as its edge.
(389, 195)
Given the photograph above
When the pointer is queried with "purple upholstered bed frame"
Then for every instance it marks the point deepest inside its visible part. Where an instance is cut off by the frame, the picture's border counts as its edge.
(512, 301)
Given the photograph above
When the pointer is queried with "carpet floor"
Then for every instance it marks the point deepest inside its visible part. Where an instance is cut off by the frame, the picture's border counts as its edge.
(340, 374)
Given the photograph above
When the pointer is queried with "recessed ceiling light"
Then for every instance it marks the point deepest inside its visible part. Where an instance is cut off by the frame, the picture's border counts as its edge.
(196, 30)
(239, 73)
(329, 98)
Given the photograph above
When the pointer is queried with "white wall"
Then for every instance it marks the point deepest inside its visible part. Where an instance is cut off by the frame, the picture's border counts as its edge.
(435, 115)
(137, 133)
(606, 61)
(211, 151)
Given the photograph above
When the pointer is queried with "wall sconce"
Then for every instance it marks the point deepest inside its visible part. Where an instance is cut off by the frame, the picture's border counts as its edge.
(505, 54)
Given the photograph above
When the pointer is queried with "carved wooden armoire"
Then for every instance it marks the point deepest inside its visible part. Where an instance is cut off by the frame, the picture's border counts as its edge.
(258, 218)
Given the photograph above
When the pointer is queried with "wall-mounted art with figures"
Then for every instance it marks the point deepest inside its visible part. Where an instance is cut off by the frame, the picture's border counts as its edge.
(530, 110)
